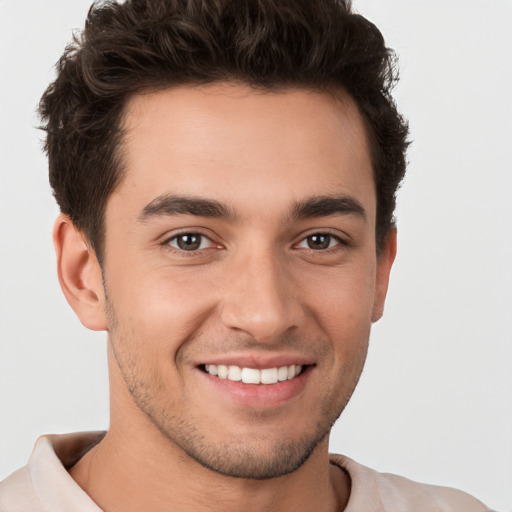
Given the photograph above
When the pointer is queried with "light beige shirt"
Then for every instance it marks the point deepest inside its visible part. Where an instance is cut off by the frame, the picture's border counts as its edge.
(44, 484)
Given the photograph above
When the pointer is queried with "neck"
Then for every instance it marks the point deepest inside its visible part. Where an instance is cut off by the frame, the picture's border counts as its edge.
(135, 467)
(132, 471)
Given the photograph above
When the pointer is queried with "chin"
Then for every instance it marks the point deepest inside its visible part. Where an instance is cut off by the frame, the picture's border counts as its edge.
(241, 460)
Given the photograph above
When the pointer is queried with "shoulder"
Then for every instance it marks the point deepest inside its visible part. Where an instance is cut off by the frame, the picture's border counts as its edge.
(383, 492)
(44, 484)
(17, 493)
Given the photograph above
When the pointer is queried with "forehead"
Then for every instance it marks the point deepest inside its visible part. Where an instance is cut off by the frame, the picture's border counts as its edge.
(240, 144)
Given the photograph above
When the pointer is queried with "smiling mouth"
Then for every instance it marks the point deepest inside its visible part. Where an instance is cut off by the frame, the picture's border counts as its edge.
(265, 376)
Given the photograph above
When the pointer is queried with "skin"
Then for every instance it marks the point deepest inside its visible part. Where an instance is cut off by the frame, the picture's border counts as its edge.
(273, 281)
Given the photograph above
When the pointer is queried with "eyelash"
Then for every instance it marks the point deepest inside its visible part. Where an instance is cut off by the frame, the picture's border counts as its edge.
(183, 252)
(339, 245)
(340, 242)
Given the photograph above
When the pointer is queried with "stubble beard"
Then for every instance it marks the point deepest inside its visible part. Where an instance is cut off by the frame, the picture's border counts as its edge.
(235, 458)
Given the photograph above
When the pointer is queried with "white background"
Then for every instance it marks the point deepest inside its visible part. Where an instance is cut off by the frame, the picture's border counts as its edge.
(435, 400)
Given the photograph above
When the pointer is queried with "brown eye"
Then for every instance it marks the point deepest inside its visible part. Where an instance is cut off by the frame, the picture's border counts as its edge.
(190, 242)
(319, 241)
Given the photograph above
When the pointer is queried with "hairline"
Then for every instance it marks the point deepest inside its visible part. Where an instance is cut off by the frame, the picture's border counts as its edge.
(336, 91)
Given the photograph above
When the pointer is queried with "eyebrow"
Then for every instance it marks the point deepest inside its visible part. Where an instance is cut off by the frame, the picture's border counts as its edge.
(322, 206)
(168, 205)
(316, 206)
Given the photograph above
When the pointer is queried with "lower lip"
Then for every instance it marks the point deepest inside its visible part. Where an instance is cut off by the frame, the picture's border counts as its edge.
(260, 395)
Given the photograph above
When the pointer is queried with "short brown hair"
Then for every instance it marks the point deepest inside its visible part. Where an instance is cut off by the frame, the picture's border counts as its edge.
(137, 45)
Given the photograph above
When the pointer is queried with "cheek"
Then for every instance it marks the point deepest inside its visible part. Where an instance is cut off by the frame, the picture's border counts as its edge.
(342, 306)
(344, 297)
(160, 307)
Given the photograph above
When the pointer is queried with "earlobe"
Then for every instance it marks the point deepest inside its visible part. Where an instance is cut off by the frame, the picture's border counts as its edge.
(79, 274)
(384, 263)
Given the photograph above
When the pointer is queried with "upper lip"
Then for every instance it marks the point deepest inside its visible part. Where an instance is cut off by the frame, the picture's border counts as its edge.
(257, 361)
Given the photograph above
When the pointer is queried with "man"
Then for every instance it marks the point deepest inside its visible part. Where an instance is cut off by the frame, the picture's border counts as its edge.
(226, 173)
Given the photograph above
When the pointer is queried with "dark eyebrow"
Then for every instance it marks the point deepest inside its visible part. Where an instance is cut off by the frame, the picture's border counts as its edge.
(185, 205)
(321, 206)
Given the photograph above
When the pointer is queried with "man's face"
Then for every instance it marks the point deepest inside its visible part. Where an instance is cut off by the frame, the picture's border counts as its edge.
(241, 241)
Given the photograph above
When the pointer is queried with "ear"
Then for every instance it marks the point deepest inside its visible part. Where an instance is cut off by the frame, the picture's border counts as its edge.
(79, 274)
(384, 263)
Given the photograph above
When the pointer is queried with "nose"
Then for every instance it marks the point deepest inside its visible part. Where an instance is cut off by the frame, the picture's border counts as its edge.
(260, 298)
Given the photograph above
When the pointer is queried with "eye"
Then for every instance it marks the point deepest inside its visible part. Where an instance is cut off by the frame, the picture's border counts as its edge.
(190, 242)
(320, 242)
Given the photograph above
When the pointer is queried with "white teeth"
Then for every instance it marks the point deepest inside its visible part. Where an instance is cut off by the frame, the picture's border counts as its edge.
(234, 373)
(269, 376)
(212, 369)
(253, 375)
(282, 373)
(222, 371)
